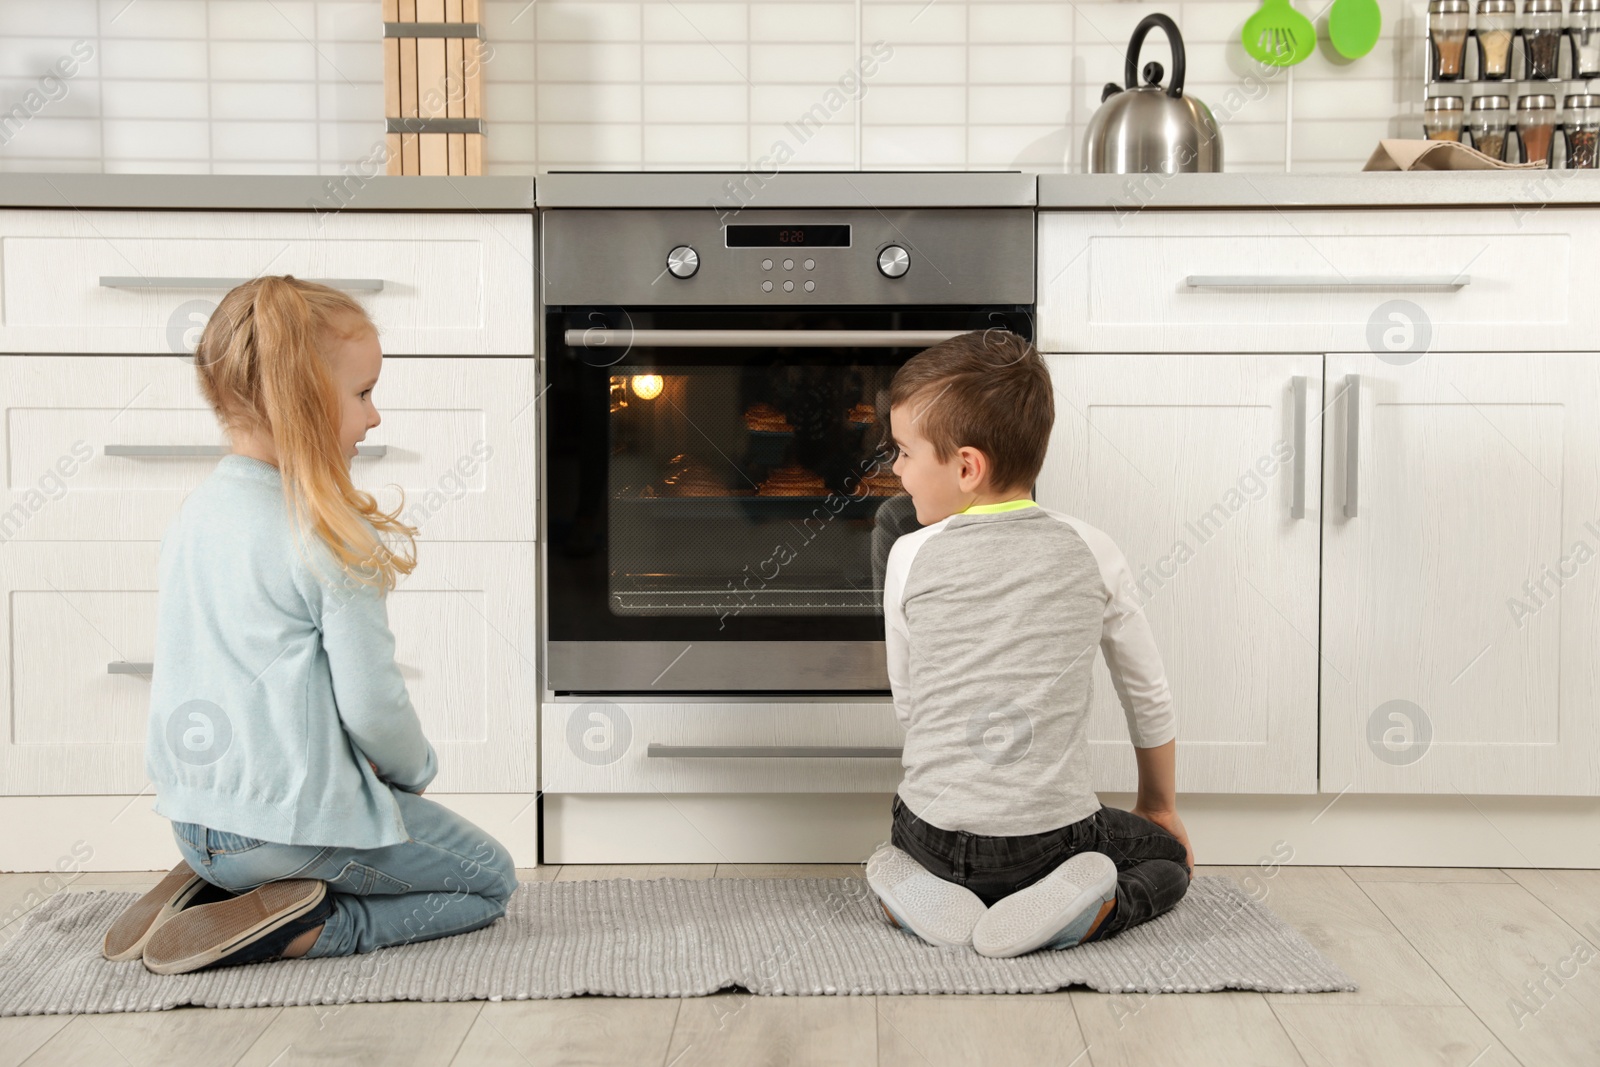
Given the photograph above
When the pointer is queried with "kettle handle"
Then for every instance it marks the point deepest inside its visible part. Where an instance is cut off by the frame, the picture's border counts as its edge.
(1131, 69)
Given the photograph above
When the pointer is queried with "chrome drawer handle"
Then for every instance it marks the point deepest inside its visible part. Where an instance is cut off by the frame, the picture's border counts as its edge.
(112, 281)
(1328, 281)
(656, 750)
(600, 337)
(122, 666)
(191, 451)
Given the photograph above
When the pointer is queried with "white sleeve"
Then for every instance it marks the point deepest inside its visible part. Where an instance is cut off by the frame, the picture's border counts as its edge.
(896, 637)
(1129, 647)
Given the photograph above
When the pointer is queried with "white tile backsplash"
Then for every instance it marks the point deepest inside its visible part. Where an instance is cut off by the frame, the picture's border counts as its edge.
(296, 86)
(696, 22)
(914, 23)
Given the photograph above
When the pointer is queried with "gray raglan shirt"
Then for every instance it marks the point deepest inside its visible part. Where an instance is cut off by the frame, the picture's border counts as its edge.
(992, 617)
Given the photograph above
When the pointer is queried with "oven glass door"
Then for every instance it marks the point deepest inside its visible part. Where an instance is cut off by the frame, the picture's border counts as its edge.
(716, 488)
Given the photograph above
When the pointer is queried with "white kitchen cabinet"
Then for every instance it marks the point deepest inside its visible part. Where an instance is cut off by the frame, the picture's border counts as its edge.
(1205, 471)
(1461, 588)
(145, 281)
(466, 639)
(77, 638)
(94, 446)
(459, 439)
(1296, 280)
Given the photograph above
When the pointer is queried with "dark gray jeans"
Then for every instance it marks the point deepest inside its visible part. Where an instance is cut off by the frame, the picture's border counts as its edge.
(1152, 865)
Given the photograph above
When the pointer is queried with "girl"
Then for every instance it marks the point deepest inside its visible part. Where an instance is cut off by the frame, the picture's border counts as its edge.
(282, 743)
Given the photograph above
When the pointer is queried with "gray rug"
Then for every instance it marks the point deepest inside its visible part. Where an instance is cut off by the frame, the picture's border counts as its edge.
(672, 938)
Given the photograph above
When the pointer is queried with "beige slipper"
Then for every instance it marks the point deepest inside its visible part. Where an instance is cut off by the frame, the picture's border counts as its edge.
(180, 889)
(251, 928)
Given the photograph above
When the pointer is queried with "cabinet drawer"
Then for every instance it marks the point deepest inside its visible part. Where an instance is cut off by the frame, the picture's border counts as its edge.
(77, 635)
(78, 632)
(144, 281)
(1316, 281)
(94, 446)
(603, 746)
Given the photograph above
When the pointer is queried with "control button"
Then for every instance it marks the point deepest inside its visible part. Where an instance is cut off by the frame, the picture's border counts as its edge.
(893, 261)
(766, 264)
(683, 261)
(811, 286)
(766, 287)
(788, 264)
(788, 287)
(811, 264)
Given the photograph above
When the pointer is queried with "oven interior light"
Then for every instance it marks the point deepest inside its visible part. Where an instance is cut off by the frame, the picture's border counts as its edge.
(646, 386)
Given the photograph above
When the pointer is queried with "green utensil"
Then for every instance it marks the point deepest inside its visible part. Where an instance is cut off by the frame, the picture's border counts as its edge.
(1279, 35)
(1353, 26)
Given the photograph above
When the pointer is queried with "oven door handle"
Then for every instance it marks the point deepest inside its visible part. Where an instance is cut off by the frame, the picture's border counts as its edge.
(656, 750)
(603, 337)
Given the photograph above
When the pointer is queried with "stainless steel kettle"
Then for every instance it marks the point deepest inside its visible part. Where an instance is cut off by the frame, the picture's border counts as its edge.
(1144, 128)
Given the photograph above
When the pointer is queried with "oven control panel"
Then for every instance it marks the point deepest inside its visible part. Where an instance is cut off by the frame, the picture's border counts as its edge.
(787, 257)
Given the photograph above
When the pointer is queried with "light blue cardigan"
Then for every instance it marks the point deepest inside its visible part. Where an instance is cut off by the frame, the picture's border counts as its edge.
(272, 687)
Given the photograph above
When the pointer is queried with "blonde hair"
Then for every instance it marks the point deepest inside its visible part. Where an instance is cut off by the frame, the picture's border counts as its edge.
(263, 366)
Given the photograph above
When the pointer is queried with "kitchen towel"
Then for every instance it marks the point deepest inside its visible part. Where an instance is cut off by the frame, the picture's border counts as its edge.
(673, 937)
(1395, 153)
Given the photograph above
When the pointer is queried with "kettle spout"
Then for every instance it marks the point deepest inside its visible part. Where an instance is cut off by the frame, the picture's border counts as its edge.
(1111, 89)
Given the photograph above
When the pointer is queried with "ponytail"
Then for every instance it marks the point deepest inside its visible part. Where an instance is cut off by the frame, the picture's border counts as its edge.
(263, 370)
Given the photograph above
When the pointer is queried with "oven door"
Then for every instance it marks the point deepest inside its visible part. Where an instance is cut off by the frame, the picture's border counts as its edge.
(720, 502)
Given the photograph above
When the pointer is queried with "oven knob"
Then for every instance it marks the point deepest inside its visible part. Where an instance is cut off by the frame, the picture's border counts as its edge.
(683, 261)
(893, 261)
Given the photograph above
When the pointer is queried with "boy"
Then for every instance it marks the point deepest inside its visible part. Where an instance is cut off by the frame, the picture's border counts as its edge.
(992, 613)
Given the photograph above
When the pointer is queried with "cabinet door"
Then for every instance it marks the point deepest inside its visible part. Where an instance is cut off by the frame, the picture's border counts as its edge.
(465, 629)
(1461, 593)
(1191, 463)
(78, 631)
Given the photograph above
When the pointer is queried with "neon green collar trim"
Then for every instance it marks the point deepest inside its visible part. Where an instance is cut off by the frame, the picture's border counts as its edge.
(1004, 505)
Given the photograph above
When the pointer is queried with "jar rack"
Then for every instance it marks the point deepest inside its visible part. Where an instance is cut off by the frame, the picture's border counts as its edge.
(1481, 50)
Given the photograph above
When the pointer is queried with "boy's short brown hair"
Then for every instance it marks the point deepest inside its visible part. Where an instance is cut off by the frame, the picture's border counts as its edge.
(988, 389)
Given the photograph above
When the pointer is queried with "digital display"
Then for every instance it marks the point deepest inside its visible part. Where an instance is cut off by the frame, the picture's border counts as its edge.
(832, 235)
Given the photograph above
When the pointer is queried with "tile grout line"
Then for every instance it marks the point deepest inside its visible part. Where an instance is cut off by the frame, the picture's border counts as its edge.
(1420, 955)
(1077, 1021)
(467, 1033)
(267, 1026)
(672, 1032)
(1289, 1032)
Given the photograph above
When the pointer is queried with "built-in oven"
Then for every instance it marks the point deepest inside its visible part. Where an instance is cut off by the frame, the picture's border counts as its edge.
(719, 500)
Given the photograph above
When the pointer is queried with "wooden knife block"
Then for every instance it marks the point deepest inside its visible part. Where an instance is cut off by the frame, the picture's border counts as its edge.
(433, 58)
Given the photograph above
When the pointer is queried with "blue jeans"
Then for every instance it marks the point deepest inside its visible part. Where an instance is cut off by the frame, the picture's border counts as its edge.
(1152, 864)
(450, 877)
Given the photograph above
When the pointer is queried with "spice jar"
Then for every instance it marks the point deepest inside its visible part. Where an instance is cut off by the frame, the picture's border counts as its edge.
(1536, 126)
(1447, 29)
(1541, 39)
(1582, 129)
(1583, 30)
(1441, 118)
(1496, 24)
(1487, 123)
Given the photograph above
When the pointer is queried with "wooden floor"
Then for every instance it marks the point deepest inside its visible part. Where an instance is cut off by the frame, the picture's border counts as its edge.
(1466, 968)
